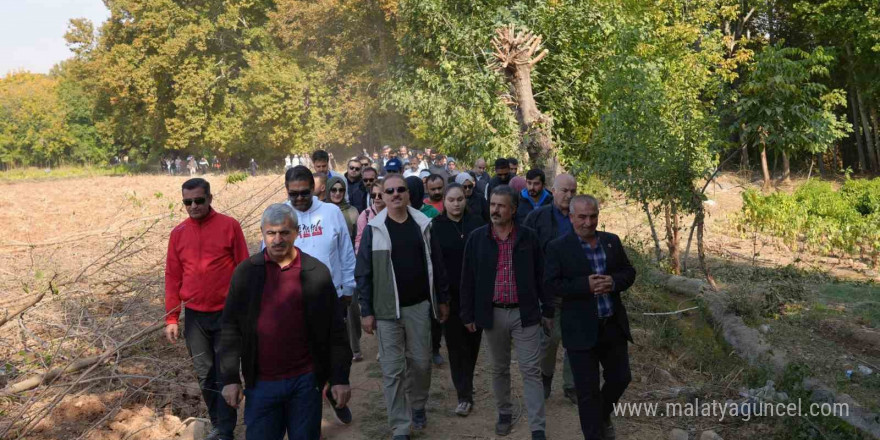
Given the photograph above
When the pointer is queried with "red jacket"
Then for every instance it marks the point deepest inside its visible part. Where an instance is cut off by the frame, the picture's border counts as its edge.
(201, 257)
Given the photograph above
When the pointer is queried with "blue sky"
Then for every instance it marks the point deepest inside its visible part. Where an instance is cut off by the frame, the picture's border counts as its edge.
(32, 31)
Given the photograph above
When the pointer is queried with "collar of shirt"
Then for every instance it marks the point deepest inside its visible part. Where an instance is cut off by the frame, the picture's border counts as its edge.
(288, 266)
(510, 237)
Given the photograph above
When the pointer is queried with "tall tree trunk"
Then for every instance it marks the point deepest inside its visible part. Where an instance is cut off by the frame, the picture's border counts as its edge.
(515, 55)
(786, 169)
(834, 160)
(701, 248)
(876, 119)
(744, 156)
(857, 132)
(869, 135)
(764, 167)
(657, 251)
(672, 237)
(821, 158)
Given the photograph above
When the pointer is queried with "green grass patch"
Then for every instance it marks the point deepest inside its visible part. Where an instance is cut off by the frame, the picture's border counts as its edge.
(67, 172)
(860, 300)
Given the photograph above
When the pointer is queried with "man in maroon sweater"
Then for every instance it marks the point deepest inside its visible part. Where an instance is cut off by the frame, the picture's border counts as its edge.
(282, 324)
(202, 253)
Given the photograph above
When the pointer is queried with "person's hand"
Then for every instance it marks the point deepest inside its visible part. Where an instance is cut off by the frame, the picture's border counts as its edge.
(600, 284)
(442, 312)
(171, 332)
(547, 323)
(368, 323)
(232, 394)
(341, 394)
(471, 327)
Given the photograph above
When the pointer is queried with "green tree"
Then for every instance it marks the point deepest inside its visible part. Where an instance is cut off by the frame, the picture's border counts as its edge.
(32, 124)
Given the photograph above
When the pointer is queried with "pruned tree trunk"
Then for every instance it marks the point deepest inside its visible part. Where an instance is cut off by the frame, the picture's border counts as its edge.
(869, 135)
(786, 169)
(701, 249)
(516, 53)
(672, 238)
(764, 166)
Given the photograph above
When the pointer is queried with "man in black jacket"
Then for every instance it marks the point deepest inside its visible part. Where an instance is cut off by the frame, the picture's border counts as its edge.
(501, 292)
(357, 191)
(534, 195)
(282, 324)
(502, 176)
(589, 270)
(552, 222)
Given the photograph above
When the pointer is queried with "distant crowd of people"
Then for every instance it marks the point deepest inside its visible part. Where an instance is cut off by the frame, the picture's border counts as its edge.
(409, 249)
(177, 166)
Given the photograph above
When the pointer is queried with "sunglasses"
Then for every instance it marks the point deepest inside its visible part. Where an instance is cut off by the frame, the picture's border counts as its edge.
(337, 190)
(197, 201)
(467, 186)
(399, 189)
(369, 180)
(375, 196)
(355, 168)
(297, 194)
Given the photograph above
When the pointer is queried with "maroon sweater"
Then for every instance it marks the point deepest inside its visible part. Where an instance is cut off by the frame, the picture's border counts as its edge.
(283, 350)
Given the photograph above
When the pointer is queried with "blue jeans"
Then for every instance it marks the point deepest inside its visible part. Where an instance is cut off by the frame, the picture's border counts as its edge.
(290, 405)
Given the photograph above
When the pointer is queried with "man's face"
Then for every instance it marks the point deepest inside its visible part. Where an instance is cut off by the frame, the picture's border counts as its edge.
(513, 169)
(279, 239)
(435, 190)
(480, 166)
(563, 190)
(584, 219)
(535, 187)
(468, 188)
(386, 152)
(199, 203)
(392, 154)
(369, 178)
(500, 209)
(320, 188)
(365, 163)
(402, 151)
(300, 195)
(320, 166)
(375, 156)
(503, 174)
(354, 169)
(394, 192)
(451, 166)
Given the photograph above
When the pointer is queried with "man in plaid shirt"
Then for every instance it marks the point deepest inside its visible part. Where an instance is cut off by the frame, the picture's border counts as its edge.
(502, 293)
(588, 270)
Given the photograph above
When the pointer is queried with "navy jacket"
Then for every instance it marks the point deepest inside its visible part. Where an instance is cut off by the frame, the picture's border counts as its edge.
(565, 274)
(525, 207)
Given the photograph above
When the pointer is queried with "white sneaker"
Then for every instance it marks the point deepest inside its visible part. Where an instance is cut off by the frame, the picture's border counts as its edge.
(463, 409)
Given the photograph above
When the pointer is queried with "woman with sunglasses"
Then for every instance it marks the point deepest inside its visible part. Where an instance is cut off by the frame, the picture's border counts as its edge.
(377, 205)
(335, 194)
(452, 229)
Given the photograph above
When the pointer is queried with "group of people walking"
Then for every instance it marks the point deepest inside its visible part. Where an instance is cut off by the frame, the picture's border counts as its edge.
(368, 252)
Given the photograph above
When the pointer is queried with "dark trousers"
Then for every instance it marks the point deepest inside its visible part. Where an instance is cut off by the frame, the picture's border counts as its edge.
(201, 330)
(595, 405)
(436, 334)
(292, 406)
(463, 348)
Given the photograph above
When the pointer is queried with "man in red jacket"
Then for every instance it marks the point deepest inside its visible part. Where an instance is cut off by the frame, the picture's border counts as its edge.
(202, 253)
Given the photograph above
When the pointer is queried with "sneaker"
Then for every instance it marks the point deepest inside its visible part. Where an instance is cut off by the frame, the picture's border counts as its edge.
(357, 357)
(538, 435)
(419, 419)
(342, 415)
(437, 359)
(504, 424)
(463, 409)
(548, 382)
(213, 434)
(571, 395)
(608, 431)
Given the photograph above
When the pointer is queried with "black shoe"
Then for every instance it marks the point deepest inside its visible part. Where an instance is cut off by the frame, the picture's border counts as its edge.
(548, 383)
(608, 431)
(342, 415)
(400, 437)
(571, 395)
(538, 435)
(504, 424)
(419, 419)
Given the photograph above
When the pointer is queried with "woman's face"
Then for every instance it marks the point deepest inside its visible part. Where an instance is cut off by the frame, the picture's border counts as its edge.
(337, 192)
(454, 202)
(376, 194)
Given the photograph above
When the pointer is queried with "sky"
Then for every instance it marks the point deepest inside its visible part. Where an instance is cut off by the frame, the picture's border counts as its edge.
(32, 31)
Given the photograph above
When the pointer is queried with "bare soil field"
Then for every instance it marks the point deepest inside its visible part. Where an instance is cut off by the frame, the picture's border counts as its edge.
(95, 247)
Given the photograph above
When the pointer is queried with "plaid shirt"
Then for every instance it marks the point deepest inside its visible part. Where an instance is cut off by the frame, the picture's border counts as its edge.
(505, 279)
(596, 256)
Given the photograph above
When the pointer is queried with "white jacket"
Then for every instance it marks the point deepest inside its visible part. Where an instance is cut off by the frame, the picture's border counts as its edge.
(323, 234)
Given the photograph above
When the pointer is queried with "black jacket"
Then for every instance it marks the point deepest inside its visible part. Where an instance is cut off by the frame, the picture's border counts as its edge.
(328, 338)
(543, 221)
(357, 193)
(525, 207)
(452, 237)
(478, 278)
(565, 274)
(477, 205)
(493, 182)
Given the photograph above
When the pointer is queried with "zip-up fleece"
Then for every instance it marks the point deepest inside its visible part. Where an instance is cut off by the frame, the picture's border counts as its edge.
(376, 284)
(201, 257)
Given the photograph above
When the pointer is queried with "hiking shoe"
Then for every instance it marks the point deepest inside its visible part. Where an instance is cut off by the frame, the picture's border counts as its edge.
(538, 435)
(571, 394)
(608, 431)
(548, 383)
(419, 419)
(437, 359)
(213, 434)
(357, 357)
(504, 424)
(342, 415)
(463, 409)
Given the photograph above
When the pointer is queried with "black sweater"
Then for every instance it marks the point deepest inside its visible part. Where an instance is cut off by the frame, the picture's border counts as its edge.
(327, 336)
(449, 236)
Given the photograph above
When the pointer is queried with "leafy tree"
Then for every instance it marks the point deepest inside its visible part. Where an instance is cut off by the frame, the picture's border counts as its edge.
(32, 125)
